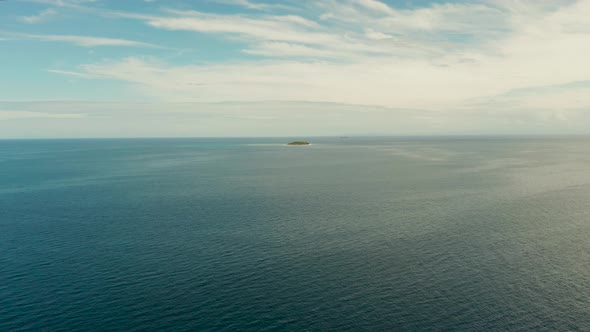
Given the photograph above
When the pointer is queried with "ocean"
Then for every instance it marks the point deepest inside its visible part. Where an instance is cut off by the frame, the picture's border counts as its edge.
(348, 234)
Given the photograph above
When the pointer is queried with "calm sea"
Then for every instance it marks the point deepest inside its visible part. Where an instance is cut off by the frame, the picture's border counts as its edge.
(349, 234)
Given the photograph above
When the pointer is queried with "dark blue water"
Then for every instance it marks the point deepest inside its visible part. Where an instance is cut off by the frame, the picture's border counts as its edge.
(381, 234)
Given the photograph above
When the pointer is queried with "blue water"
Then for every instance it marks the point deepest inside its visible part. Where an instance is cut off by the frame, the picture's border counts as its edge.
(379, 234)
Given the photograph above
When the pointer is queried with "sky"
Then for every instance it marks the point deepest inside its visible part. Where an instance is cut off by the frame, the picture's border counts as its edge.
(213, 68)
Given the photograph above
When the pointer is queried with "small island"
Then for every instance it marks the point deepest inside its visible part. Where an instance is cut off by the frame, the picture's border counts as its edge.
(298, 143)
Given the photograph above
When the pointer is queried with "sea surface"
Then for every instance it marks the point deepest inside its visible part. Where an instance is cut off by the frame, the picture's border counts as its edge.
(348, 234)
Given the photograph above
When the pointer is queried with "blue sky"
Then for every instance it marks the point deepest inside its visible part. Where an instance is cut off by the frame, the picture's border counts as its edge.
(100, 68)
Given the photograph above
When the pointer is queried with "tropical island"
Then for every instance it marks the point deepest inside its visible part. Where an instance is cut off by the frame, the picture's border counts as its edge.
(298, 143)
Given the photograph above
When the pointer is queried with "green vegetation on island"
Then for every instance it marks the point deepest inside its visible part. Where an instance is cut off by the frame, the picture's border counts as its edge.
(298, 143)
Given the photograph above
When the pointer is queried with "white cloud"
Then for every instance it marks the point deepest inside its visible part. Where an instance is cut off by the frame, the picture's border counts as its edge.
(71, 73)
(254, 5)
(284, 49)
(455, 59)
(290, 28)
(77, 4)
(376, 35)
(85, 41)
(376, 6)
(43, 16)
(243, 3)
(518, 44)
(91, 41)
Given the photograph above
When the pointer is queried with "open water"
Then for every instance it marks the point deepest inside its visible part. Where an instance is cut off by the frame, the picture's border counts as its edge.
(349, 234)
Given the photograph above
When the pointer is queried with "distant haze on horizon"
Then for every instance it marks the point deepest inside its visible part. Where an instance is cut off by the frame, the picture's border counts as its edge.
(148, 68)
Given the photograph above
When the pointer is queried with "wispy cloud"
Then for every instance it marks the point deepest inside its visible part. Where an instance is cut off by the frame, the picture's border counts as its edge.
(77, 4)
(71, 73)
(254, 4)
(243, 3)
(289, 28)
(375, 5)
(284, 49)
(465, 60)
(43, 16)
(438, 57)
(85, 41)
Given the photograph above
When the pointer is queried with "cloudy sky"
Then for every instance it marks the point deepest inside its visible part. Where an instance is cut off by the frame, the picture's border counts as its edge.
(106, 68)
